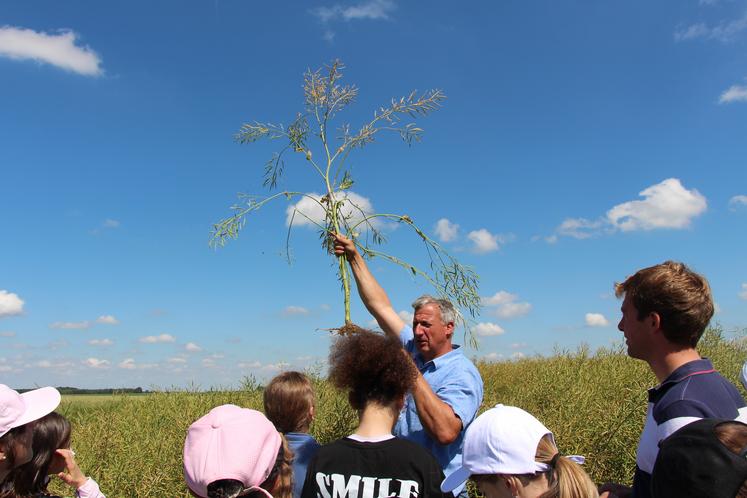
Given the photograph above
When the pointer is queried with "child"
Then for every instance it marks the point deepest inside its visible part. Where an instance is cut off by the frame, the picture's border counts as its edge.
(52, 456)
(17, 414)
(508, 452)
(376, 373)
(235, 451)
(289, 404)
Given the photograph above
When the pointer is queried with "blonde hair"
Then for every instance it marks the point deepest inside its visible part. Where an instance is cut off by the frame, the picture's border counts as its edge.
(567, 479)
(288, 400)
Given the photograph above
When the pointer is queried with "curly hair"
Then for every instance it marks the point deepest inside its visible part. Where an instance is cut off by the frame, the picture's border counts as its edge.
(681, 298)
(372, 368)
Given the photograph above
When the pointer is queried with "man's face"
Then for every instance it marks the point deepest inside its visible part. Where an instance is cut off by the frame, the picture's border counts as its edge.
(432, 336)
(637, 332)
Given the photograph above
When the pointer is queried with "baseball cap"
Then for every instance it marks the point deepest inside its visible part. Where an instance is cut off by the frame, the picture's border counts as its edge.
(230, 442)
(503, 440)
(693, 462)
(20, 409)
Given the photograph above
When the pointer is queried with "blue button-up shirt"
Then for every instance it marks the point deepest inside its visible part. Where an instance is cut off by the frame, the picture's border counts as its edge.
(456, 381)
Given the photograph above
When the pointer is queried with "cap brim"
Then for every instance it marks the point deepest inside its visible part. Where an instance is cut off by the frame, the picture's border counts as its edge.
(39, 402)
(455, 479)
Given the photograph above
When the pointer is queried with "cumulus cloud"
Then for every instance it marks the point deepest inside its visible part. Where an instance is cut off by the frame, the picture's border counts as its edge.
(177, 359)
(484, 242)
(371, 10)
(100, 342)
(107, 320)
(153, 339)
(743, 294)
(295, 310)
(96, 363)
(58, 49)
(492, 357)
(518, 355)
(596, 320)
(446, 231)
(110, 223)
(85, 324)
(735, 93)
(737, 201)
(7, 334)
(128, 364)
(666, 205)
(10, 304)
(724, 32)
(487, 329)
(192, 347)
(506, 305)
(252, 364)
(309, 212)
(406, 315)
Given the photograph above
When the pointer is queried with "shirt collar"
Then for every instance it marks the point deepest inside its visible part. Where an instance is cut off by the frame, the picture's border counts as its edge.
(440, 361)
(694, 367)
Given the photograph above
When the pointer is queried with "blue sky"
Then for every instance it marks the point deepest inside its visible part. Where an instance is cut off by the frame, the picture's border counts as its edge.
(579, 142)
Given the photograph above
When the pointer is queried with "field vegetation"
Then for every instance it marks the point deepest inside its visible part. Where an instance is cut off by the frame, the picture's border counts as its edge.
(595, 404)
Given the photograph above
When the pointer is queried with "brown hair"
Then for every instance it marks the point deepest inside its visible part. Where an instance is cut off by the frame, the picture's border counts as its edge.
(9, 440)
(50, 433)
(371, 367)
(681, 298)
(288, 400)
(733, 435)
(279, 483)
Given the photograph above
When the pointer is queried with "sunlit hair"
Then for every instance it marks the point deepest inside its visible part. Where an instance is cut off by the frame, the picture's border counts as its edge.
(50, 433)
(681, 298)
(733, 435)
(288, 400)
(566, 480)
(372, 368)
(279, 483)
(448, 312)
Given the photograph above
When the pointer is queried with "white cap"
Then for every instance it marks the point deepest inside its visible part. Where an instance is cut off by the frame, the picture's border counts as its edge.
(503, 440)
(20, 409)
(743, 376)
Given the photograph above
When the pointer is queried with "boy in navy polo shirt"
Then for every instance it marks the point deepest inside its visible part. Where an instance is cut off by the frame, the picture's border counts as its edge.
(666, 309)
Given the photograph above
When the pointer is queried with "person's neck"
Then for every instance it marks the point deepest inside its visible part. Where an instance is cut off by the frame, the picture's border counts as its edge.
(376, 420)
(671, 360)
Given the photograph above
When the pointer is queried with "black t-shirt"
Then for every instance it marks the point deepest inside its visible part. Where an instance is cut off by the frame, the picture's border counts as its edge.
(352, 469)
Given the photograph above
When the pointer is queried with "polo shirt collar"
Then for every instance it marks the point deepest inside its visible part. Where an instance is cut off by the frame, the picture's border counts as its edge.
(443, 359)
(694, 367)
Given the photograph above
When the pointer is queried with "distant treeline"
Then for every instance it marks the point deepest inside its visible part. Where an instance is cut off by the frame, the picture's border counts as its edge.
(75, 390)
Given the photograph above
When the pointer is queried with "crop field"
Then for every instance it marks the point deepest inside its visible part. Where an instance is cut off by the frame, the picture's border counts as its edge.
(595, 404)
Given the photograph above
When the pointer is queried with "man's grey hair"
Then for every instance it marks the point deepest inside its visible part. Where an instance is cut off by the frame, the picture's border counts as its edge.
(448, 312)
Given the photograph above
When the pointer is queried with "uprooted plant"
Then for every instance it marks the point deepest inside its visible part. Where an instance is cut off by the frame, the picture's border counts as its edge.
(324, 98)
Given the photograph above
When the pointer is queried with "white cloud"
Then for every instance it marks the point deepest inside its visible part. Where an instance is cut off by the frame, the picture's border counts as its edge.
(295, 310)
(518, 345)
(56, 49)
(71, 325)
(100, 342)
(208, 362)
(406, 316)
(446, 231)
(735, 93)
(177, 359)
(743, 294)
(493, 357)
(484, 241)
(110, 223)
(309, 211)
(506, 305)
(487, 329)
(107, 320)
(153, 339)
(596, 320)
(666, 205)
(253, 364)
(7, 334)
(725, 31)
(737, 201)
(578, 228)
(371, 9)
(192, 347)
(518, 355)
(96, 363)
(10, 304)
(128, 364)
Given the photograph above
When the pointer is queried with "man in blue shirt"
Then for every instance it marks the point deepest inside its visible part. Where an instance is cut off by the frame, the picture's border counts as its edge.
(665, 310)
(448, 391)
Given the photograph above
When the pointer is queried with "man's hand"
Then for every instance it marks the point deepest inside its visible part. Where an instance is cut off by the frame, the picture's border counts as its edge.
(612, 490)
(72, 475)
(344, 246)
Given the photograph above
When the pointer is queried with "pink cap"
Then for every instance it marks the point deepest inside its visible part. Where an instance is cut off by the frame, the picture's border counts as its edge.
(20, 409)
(230, 443)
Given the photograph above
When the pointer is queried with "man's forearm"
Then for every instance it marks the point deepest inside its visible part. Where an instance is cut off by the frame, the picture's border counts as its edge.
(437, 417)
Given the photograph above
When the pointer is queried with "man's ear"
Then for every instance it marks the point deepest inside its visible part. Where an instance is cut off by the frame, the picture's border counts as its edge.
(312, 413)
(449, 329)
(655, 320)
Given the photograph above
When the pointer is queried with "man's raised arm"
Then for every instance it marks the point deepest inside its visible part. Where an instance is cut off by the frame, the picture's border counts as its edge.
(373, 296)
